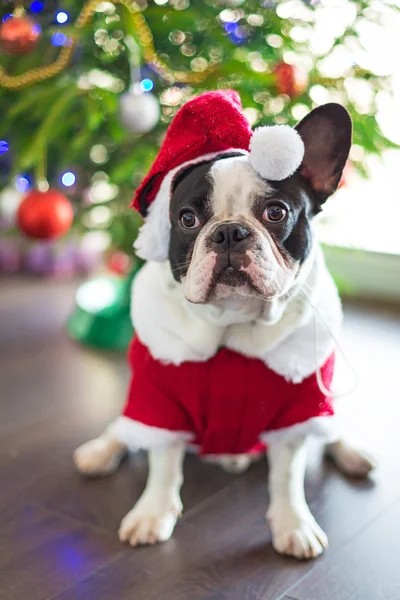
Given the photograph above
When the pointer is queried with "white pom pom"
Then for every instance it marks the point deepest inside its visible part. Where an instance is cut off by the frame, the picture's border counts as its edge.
(276, 152)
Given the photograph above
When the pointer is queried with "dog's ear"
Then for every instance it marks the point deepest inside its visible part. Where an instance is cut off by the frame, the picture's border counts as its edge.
(326, 133)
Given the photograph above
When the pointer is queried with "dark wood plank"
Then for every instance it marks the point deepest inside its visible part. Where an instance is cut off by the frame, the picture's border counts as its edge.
(43, 553)
(55, 394)
(222, 548)
(367, 568)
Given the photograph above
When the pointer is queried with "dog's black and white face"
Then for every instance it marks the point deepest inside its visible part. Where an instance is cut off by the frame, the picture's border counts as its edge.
(233, 232)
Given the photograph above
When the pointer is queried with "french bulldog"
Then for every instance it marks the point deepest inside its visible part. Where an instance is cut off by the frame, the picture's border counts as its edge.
(240, 271)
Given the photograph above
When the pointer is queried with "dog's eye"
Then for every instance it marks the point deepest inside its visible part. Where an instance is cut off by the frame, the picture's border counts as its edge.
(189, 220)
(275, 213)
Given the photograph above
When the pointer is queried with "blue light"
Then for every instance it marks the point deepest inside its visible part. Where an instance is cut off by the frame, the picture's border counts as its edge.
(68, 179)
(37, 6)
(146, 85)
(230, 27)
(21, 183)
(6, 17)
(58, 39)
(238, 36)
(36, 28)
(3, 147)
(61, 17)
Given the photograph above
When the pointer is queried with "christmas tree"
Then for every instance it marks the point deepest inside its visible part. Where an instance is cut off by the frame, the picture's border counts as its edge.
(87, 91)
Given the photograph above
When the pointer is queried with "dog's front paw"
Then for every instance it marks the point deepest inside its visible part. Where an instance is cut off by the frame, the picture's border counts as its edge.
(99, 457)
(296, 536)
(149, 522)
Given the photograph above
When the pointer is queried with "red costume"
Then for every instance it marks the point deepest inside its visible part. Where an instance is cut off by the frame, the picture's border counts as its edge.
(226, 402)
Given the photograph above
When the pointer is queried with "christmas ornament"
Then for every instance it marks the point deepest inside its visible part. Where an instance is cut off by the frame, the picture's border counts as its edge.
(139, 113)
(9, 256)
(290, 80)
(64, 262)
(19, 35)
(86, 260)
(45, 215)
(57, 259)
(120, 263)
(102, 314)
(38, 258)
(142, 33)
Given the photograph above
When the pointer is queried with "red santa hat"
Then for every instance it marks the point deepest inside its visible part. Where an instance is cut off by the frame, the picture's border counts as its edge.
(206, 127)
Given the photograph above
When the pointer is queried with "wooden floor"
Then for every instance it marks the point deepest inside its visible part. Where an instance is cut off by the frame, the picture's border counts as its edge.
(58, 531)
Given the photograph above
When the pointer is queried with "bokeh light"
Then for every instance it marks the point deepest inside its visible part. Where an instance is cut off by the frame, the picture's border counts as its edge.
(37, 6)
(146, 85)
(68, 179)
(58, 39)
(99, 154)
(61, 17)
(21, 183)
(3, 146)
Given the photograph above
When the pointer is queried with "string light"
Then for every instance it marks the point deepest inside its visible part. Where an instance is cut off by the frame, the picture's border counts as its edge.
(230, 27)
(68, 179)
(21, 183)
(145, 39)
(58, 39)
(61, 17)
(238, 35)
(3, 146)
(37, 6)
(146, 85)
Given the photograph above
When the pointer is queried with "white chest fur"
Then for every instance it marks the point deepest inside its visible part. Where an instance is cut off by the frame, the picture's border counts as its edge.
(282, 335)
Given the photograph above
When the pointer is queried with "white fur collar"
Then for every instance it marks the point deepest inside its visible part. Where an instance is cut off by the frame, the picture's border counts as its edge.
(176, 331)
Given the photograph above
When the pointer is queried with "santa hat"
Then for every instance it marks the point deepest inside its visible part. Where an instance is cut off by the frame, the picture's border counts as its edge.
(208, 126)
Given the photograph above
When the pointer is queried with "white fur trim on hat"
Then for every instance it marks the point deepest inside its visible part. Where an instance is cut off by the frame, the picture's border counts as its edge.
(276, 152)
(152, 243)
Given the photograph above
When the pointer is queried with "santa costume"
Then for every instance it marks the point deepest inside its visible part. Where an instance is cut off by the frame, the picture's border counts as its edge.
(225, 399)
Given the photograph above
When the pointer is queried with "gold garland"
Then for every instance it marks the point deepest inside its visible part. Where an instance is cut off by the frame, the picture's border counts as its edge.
(145, 39)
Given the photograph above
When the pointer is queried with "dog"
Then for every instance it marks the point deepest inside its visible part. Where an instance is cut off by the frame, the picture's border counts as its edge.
(229, 307)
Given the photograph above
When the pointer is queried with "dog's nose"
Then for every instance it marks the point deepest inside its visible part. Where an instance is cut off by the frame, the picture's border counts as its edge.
(229, 235)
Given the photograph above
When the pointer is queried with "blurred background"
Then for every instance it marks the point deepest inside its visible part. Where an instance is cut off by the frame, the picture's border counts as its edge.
(87, 90)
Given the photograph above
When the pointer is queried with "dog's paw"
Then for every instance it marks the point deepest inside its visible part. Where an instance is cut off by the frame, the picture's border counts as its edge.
(299, 537)
(231, 463)
(235, 464)
(98, 457)
(149, 522)
(350, 460)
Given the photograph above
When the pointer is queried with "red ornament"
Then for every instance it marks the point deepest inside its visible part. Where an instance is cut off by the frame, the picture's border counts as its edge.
(290, 80)
(19, 35)
(45, 215)
(120, 263)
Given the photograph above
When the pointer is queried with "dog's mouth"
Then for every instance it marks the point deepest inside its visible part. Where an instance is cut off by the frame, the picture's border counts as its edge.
(249, 273)
(232, 277)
